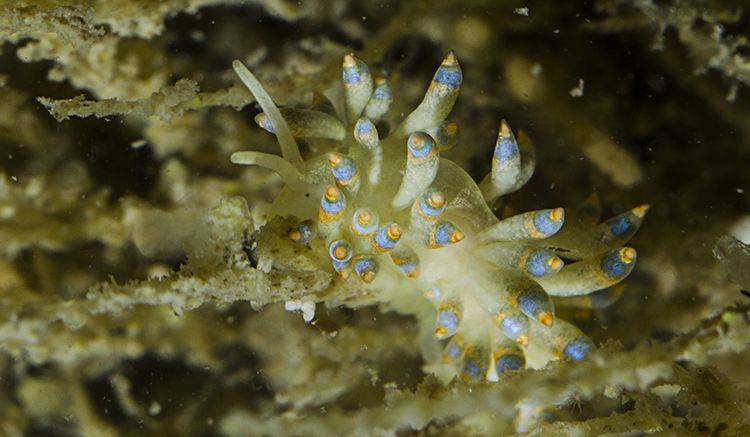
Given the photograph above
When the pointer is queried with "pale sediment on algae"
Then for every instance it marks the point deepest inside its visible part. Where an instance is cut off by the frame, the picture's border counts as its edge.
(386, 276)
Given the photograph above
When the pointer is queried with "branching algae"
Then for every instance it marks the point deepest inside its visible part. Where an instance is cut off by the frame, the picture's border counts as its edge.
(417, 231)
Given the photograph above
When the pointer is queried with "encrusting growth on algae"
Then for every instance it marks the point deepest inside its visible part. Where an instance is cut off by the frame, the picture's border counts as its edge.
(385, 209)
(149, 285)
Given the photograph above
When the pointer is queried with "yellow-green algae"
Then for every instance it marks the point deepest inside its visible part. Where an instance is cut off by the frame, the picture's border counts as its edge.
(129, 300)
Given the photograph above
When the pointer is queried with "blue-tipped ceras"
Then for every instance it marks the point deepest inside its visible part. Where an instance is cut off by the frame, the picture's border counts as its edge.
(416, 227)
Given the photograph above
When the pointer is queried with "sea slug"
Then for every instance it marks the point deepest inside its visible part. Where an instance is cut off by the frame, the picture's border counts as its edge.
(389, 212)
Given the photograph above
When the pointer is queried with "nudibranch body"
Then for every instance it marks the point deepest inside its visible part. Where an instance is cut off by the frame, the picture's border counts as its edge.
(417, 230)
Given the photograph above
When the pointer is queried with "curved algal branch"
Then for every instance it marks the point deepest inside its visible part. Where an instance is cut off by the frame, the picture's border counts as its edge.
(639, 369)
